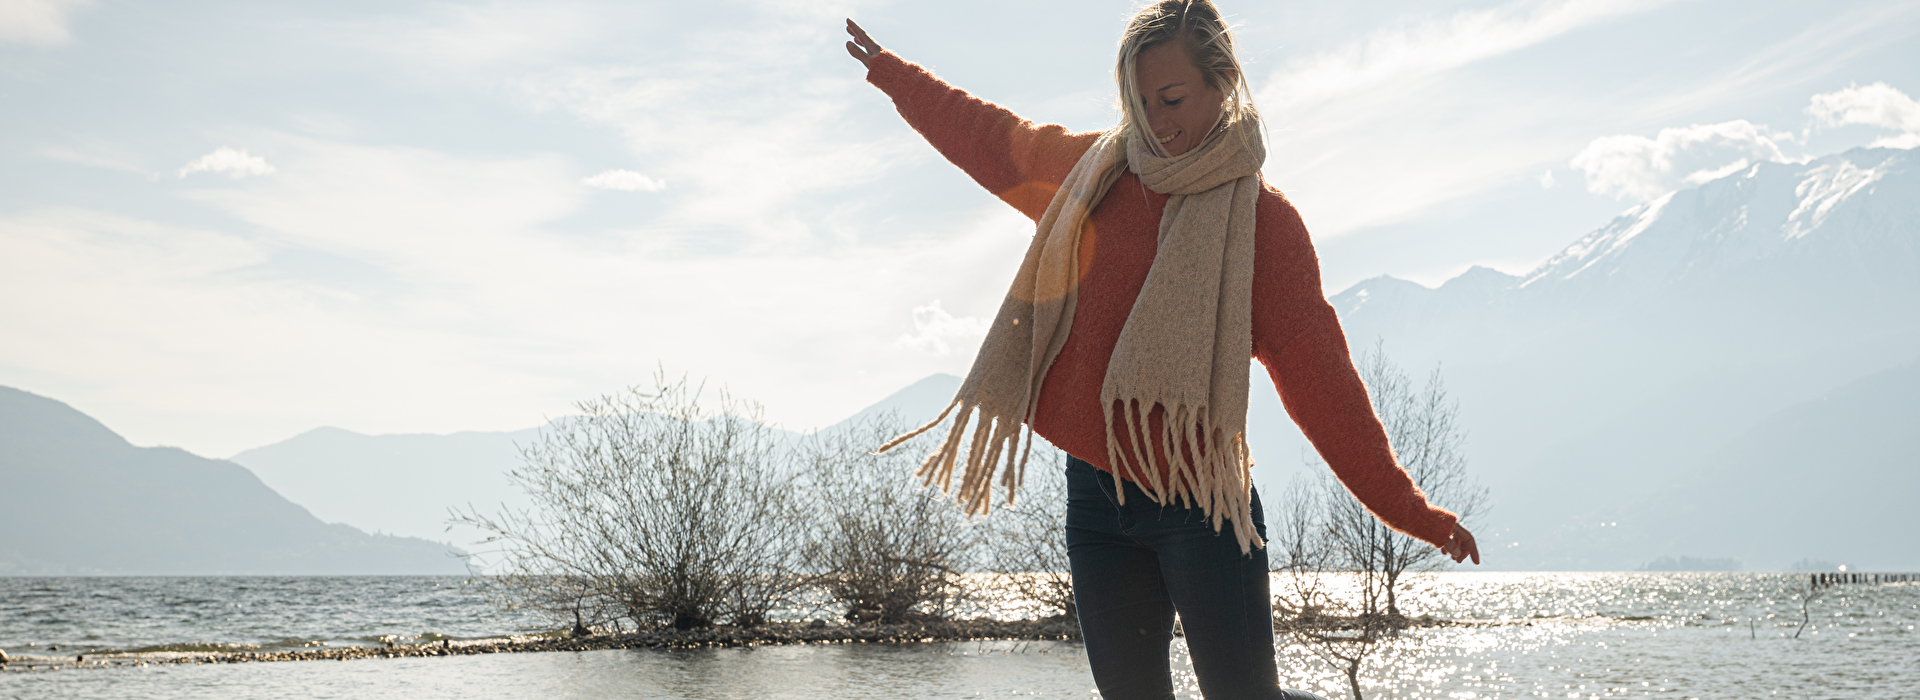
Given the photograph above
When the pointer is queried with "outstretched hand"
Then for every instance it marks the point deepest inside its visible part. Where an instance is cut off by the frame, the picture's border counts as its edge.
(1460, 545)
(862, 47)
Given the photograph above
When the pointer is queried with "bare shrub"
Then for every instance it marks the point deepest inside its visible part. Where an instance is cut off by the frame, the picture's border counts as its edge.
(1297, 544)
(885, 549)
(1344, 638)
(649, 509)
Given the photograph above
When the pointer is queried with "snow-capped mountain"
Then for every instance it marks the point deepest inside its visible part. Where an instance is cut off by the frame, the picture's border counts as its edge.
(1847, 208)
(1835, 235)
(1613, 372)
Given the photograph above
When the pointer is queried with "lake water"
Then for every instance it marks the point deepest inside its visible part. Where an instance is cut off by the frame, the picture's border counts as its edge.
(1560, 635)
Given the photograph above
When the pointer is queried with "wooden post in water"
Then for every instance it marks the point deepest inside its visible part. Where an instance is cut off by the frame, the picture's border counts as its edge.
(1821, 580)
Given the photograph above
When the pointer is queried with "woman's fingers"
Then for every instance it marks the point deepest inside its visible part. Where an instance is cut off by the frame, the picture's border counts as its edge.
(860, 35)
(857, 47)
(1461, 545)
(861, 41)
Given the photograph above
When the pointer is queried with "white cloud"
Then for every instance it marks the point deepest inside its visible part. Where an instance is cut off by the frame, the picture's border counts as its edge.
(483, 35)
(41, 22)
(938, 332)
(1909, 140)
(1546, 180)
(760, 139)
(1642, 168)
(625, 181)
(1638, 167)
(235, 164)
(1878, 105)
(1395, 112)
(1437, 45)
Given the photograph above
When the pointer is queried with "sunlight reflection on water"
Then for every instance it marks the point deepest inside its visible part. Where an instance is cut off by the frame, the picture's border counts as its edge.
(1536, 635)
(1600, 635)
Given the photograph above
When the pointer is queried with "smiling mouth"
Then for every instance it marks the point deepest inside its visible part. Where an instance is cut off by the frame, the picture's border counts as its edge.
(1169, 137)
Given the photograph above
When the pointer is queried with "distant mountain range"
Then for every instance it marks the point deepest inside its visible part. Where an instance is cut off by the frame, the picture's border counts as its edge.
(396, 484)
(77, 499)
(406, 484)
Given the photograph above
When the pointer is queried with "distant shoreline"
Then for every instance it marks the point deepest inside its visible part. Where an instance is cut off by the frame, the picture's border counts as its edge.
(710, 638)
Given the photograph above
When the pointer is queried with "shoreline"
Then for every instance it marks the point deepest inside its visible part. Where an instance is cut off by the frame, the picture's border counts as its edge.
(1057, 629)
(775, 634)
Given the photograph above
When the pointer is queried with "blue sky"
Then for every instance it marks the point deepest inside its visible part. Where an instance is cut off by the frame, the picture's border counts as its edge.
(225, 223)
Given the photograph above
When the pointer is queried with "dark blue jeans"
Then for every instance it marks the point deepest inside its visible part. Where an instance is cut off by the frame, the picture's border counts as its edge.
(1135, 565)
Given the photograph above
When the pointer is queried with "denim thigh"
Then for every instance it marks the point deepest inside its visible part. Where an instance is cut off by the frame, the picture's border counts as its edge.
(1136, 564)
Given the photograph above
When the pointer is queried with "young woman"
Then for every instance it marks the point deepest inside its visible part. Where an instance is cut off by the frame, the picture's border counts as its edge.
(1160, 263)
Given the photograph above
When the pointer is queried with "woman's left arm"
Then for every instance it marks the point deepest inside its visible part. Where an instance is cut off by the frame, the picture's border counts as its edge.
(1297, 336)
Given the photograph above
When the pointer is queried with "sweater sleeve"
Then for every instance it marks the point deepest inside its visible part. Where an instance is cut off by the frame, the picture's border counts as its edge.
(1297, 336)
(1021, 163)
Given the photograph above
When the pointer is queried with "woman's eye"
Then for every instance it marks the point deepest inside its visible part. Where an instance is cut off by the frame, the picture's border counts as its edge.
(1172, 103)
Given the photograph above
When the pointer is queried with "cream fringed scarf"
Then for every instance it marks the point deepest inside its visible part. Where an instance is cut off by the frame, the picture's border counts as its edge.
(1185, 346)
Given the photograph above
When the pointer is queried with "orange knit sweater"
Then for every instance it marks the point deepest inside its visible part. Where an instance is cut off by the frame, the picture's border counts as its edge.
(1296, 335)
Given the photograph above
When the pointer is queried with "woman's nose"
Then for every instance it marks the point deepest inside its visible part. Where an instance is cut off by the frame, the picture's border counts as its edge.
(1157, 120)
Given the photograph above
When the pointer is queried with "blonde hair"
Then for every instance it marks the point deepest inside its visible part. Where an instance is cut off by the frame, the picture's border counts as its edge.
(1197, 25)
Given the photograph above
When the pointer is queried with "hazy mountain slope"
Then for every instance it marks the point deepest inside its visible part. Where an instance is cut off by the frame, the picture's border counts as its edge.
(1615, 371)
(79, 499)
(406, 484)
(915, 404)
(1833, 479)
(398, 484)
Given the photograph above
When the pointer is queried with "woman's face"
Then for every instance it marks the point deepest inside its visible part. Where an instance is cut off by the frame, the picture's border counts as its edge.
(1181, 108)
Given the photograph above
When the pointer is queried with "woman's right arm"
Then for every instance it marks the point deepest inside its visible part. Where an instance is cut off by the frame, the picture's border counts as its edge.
(1021, 163)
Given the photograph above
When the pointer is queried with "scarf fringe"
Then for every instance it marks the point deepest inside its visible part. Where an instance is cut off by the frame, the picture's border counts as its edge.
(984, 454)
(1216, 474)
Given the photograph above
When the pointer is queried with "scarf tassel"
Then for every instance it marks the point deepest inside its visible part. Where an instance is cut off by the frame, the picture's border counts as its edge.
(1214, 474)
(992, 437)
